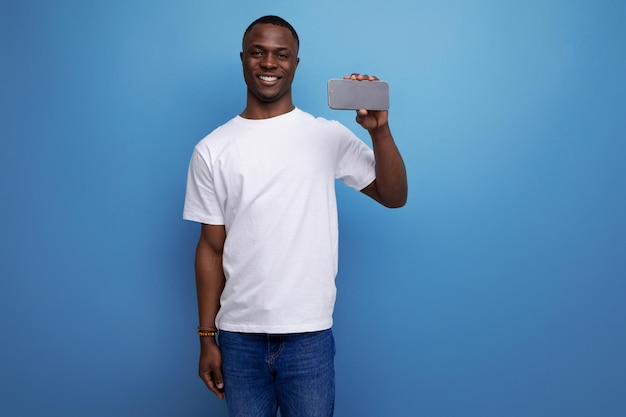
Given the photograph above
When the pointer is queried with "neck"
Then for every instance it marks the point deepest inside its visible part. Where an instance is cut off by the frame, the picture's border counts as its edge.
(256, 109)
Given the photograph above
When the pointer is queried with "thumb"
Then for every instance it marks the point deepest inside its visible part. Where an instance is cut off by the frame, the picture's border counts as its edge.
(218, 379)
(360, 115)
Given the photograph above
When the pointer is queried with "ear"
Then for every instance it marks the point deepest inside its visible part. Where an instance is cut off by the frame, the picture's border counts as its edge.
(241, 56)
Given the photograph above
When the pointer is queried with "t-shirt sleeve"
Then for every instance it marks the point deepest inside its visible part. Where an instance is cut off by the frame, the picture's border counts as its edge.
(356, 165)
(201, 202)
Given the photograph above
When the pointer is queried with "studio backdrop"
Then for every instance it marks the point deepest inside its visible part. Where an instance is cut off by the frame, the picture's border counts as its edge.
(497, 291)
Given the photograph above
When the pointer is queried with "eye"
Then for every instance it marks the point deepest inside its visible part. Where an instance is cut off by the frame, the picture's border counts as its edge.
(256, 53)
(283, 56)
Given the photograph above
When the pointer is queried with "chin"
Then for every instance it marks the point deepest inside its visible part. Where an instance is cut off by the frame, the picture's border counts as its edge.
(266, 98)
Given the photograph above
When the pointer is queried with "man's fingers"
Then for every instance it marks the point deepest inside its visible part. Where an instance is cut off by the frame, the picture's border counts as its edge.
(215, 384)
(219, 380)
(361, 77)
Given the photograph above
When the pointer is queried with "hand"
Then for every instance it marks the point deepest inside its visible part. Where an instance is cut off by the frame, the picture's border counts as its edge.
(210, 366)
(369, 119)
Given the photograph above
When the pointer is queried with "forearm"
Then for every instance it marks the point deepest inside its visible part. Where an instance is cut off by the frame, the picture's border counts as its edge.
(209, 282)
(391, 180)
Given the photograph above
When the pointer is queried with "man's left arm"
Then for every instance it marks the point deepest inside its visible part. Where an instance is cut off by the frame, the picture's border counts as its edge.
(390, 188)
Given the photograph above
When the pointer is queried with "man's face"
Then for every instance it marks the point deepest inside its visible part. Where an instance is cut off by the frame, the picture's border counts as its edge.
(269, 60)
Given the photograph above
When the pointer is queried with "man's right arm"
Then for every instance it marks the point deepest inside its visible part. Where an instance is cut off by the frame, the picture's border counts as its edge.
(209, 286)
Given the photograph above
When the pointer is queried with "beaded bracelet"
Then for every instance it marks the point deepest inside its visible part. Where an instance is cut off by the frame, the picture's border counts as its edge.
(204, 331)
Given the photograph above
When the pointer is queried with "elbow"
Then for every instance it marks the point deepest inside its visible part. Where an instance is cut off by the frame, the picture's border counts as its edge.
(395, 204)
(390, 197)
(397, 201)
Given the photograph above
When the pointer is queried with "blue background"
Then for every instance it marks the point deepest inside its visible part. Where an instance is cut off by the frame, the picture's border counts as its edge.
(497, 291)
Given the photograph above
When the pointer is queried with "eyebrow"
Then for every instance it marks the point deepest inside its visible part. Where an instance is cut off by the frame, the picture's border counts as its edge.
(280, 48)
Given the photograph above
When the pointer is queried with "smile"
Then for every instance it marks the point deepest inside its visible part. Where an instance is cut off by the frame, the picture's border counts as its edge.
(267, 78)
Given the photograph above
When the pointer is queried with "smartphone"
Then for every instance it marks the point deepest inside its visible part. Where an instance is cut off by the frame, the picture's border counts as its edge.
(355, 95)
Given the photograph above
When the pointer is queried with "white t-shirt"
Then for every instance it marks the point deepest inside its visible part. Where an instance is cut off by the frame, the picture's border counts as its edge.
(271, 183)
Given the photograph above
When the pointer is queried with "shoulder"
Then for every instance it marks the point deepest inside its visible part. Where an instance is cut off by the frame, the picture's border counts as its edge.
(321, 122)
(218, 136)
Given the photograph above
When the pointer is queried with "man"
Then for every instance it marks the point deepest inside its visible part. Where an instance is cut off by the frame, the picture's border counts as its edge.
(262, 186)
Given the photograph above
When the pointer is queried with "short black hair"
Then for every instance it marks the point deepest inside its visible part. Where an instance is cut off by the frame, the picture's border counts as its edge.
(272, 20)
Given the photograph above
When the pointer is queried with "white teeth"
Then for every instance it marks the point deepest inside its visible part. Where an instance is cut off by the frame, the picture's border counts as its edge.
(267, 78)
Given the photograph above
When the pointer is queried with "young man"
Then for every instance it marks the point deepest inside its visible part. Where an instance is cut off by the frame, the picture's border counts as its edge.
(262, 186)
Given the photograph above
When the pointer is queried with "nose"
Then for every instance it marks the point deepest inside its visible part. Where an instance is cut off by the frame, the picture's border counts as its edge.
(269, 61)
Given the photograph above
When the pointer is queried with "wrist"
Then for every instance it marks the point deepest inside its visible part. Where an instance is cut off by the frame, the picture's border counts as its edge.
(207, 331)
(207, 343)
(380, 132)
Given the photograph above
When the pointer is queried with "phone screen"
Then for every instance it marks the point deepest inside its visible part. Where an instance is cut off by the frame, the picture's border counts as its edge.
(355, 95)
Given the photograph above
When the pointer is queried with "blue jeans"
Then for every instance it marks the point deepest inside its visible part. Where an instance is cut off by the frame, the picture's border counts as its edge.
(291, 372)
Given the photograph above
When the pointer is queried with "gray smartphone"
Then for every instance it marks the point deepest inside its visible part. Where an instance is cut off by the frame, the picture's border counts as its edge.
(355, 95)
